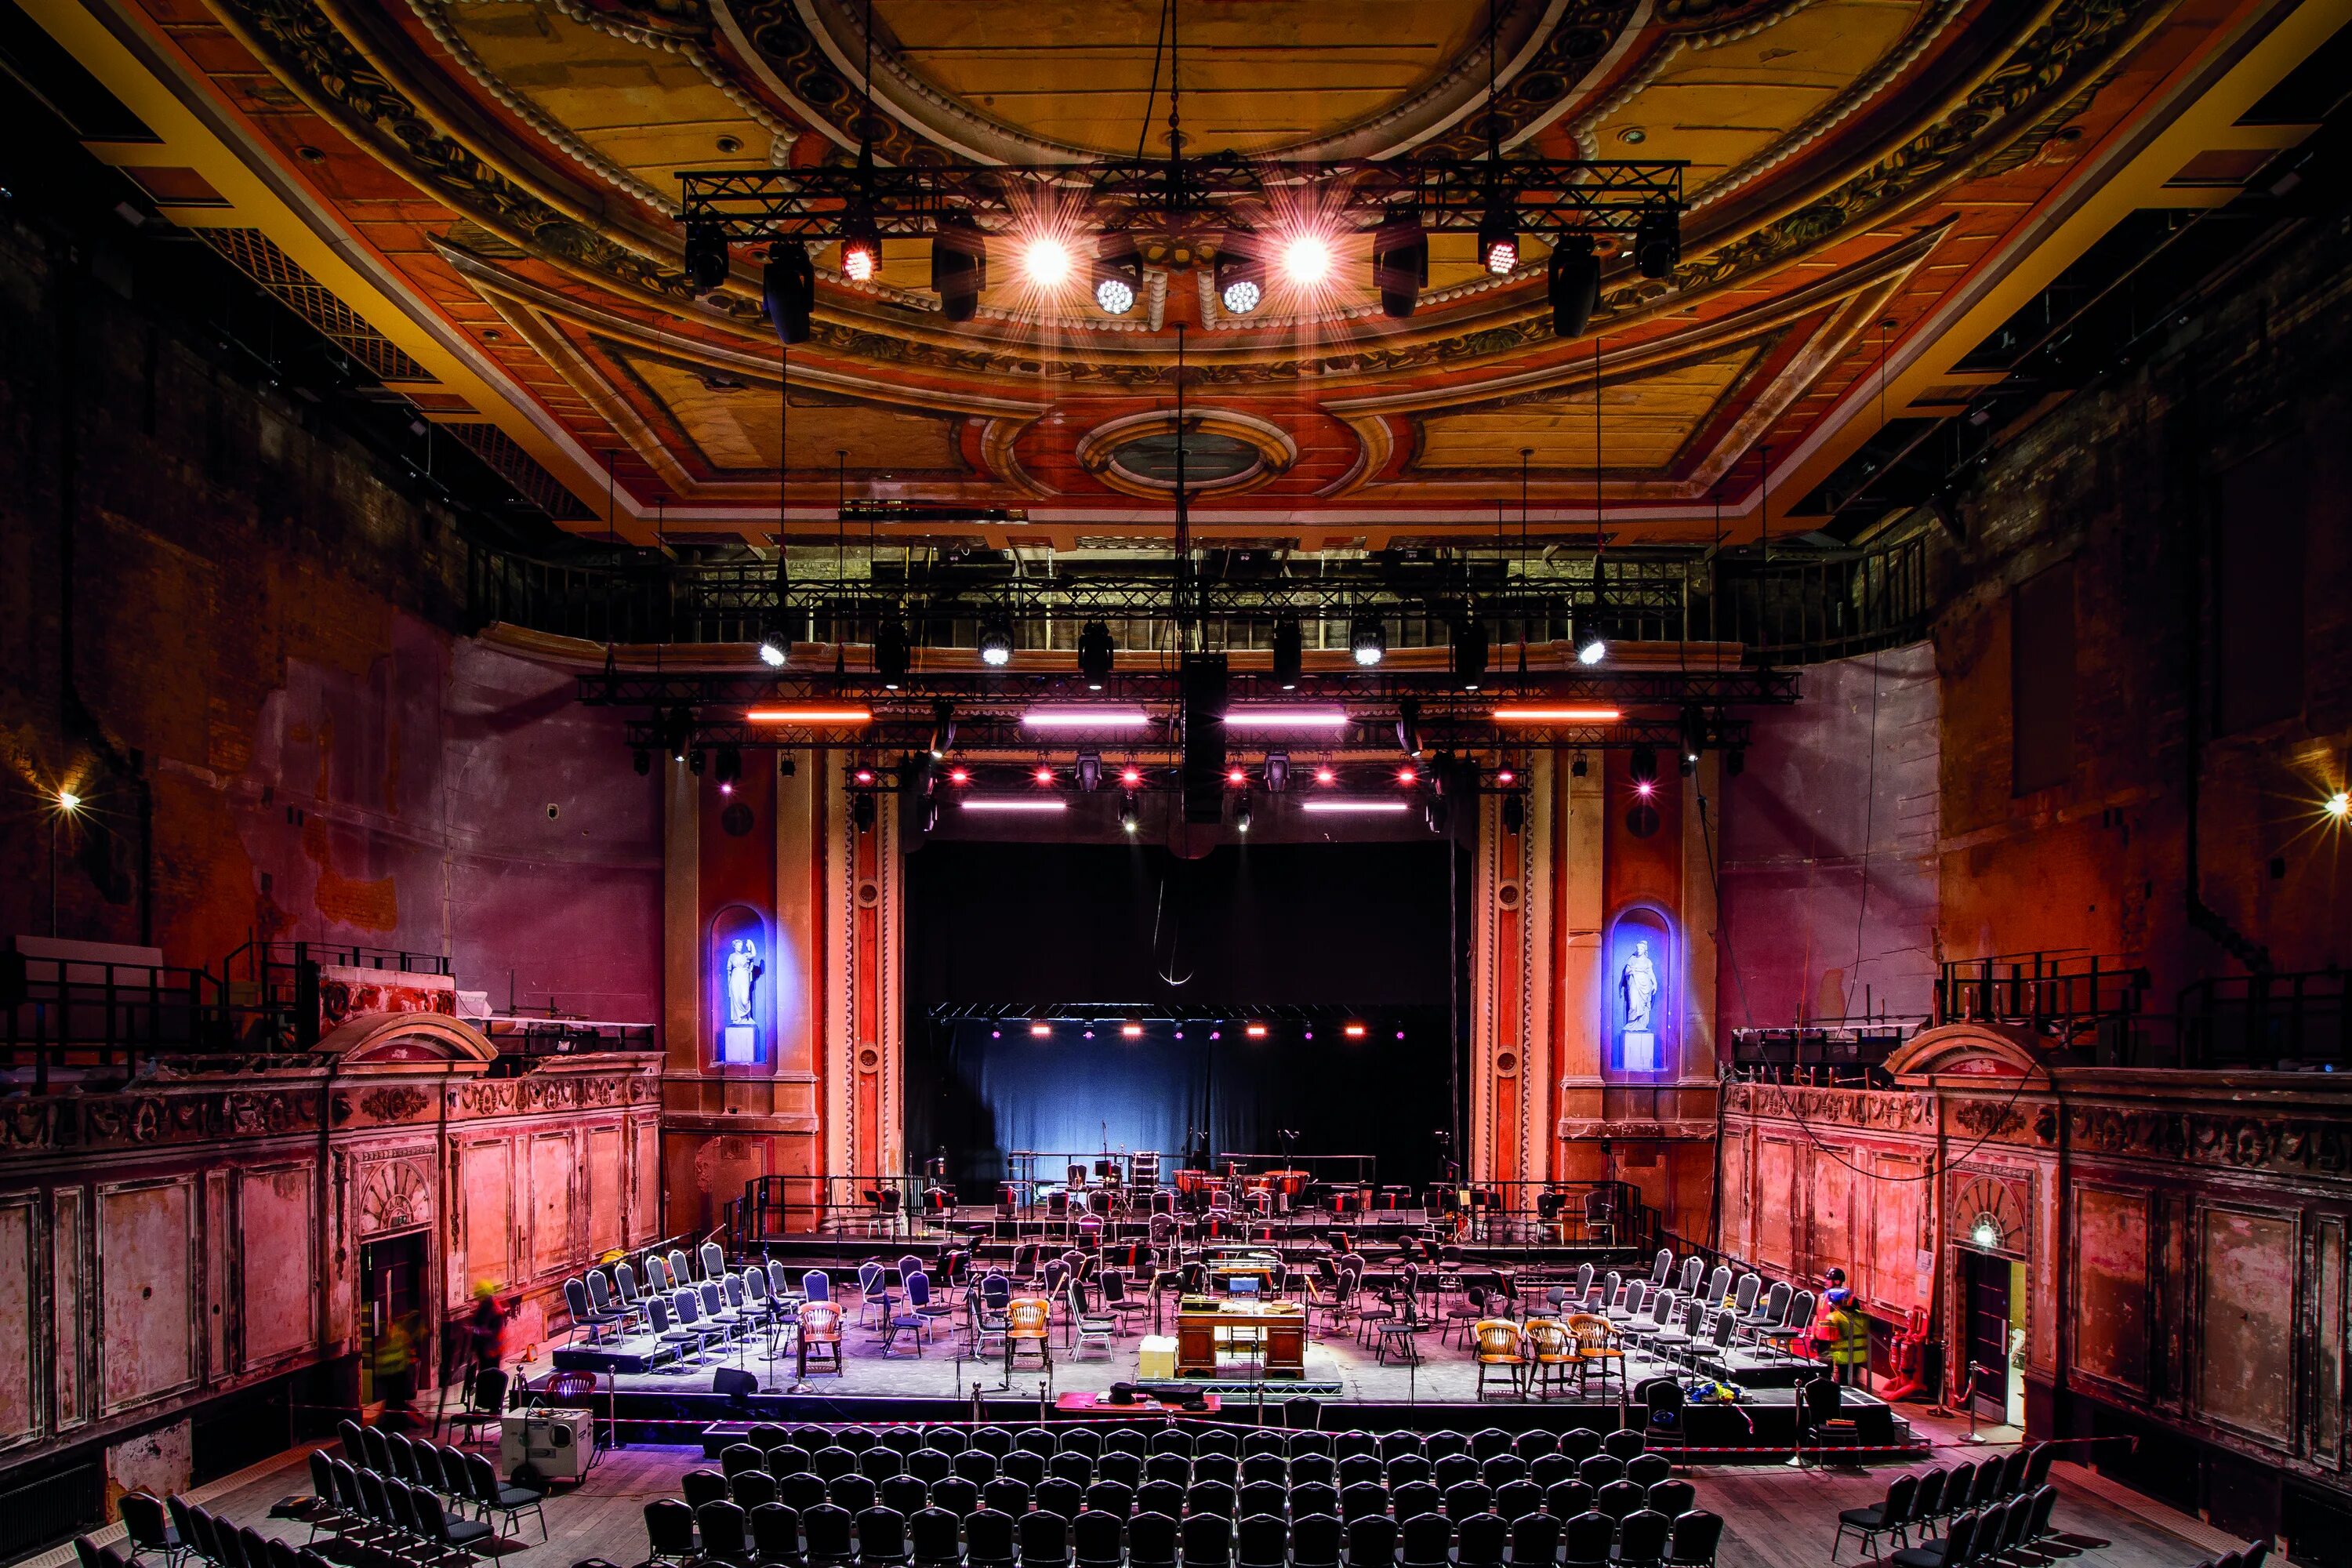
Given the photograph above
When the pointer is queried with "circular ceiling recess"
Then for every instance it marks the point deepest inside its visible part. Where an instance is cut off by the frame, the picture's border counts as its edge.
(1223, 452)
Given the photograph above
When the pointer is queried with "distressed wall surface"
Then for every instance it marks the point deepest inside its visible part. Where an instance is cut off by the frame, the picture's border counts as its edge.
(216, 596)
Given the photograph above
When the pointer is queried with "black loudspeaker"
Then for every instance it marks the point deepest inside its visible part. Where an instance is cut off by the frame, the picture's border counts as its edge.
(734, 1385)
(1204, 684)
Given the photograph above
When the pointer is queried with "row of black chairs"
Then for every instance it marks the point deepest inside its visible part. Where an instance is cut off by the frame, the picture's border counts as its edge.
(1095, 1441)
(468, 1480)
(828, 1536)
(2008, 1533)
(1645, 1484)
(1917, 1500)
(930, 1467)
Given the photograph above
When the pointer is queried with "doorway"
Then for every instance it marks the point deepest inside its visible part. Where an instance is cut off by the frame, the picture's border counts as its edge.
(1992, 1302)
(392, 1317)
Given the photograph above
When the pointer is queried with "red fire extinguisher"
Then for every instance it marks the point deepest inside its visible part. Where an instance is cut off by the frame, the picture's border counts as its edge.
(1906, 1358)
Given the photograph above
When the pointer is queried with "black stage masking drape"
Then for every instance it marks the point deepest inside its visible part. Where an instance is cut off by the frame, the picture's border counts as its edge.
(982, 1098)
(1356, 930)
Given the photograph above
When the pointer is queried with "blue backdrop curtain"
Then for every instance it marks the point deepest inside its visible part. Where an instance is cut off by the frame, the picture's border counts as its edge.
(983, 1097)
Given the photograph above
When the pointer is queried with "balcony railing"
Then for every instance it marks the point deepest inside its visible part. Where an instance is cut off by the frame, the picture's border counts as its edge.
(2061, 996)
(1848, 1052)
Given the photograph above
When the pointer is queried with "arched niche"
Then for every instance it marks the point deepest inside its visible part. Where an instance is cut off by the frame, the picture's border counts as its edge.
(1641, 992)
(740, 987)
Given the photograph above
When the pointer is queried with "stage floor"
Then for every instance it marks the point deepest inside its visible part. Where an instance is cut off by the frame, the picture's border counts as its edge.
(1338, 1369)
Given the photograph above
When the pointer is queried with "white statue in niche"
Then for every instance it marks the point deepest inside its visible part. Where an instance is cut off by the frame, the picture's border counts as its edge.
(1637, 988)
(743, 971)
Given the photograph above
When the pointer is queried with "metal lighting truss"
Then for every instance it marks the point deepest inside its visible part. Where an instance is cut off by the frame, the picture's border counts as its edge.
(760, 206)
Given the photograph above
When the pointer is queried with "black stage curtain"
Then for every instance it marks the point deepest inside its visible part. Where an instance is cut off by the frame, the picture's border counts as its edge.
(1350, 928)
(981, 1097)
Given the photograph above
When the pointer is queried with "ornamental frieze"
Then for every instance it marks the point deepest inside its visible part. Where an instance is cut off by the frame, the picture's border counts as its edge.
(137, 1121)
(2234, 1143)
(536, 1094)
(1881, 1109)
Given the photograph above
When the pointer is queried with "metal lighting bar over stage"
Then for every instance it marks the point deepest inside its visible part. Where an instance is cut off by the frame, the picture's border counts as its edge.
(1163, 194)
(987, 707)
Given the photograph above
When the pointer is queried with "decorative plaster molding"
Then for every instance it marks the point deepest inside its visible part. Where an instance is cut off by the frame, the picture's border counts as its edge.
(1674, 1130)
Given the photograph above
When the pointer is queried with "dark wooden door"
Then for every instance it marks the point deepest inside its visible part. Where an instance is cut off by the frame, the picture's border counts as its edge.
(1984, 1284)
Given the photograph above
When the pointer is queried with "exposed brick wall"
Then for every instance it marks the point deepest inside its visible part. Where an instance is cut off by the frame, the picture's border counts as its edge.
(2123, 481)
(271, 619)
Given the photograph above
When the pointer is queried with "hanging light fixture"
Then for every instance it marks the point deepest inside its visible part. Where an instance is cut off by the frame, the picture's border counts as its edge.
(1097, 652)
(959, 266)
(1117, 274)
(1400, 264)
(1575, 284)
(705, 256)
(1289, 653)
(1368, 638)
(1241, 274)
(996, 642)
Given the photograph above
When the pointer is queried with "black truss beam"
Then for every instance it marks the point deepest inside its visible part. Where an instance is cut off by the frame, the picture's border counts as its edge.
(975, 694)
(893, 734)
(759, 206)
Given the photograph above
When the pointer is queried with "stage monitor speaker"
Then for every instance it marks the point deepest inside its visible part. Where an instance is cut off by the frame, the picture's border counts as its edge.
(734, 1384)
(1203, 690)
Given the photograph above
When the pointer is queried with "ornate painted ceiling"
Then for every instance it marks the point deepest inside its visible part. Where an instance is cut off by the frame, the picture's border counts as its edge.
(479, 198)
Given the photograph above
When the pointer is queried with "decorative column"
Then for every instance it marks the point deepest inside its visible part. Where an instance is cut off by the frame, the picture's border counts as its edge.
(1510, 1015)
(863, 1075)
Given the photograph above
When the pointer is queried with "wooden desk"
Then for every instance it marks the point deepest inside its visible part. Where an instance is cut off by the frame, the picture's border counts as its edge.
(1278, 1330)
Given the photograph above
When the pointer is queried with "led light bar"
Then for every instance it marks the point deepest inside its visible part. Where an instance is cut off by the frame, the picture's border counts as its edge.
(809, 715)
(1559, 715)
(1013, 802)
(1276, 718)
(1085, 718)
(1357, 807)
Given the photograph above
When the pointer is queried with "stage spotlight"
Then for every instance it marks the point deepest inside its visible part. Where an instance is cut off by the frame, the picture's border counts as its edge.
(1408, 776)
(785, 767)
(1400, 265)
(959, 775)
(1505, 777)
(1089, 772)
(1237, 778)
(1658, 243)
(1353, 1031)
(1097, 652)
(1592, 652)
(943, 732)
(1645, 766)
(705, 256)
(1039, 1029)
(890, 654)
(1515, 814)
(1241, 275)
(1498, 237)
(1131, 777)
(1242, 815)
(861, 811)
(1117, 274)
(1277, 771)
(1693, 727)
(996, 642)
(1289, 653)
(644, 762)
(959, 266)
(1408, 731)
(1368, 638)
(1047, 260)
(1043, 776)
(1327, 775)
(1306, 259)
(2339, 804)
(774, 647)
(861, 249)
(678, 730)
(1132, 1029)
(1577, 768)
(1469, 650)
(1575, 285)
(788, 290)
(1130, 819)
(862, 777)
(694, 761)
(729, 766)
(1255, 1031)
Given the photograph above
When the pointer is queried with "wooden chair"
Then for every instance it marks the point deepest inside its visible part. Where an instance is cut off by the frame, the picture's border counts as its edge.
(1551, 1351)
(1028, 1321)
(820, 1328)
(1596, 1347)
(1500, 1345)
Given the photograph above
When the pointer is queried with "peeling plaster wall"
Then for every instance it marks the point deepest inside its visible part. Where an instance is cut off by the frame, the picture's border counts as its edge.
(1828, 853)
(270, 620)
